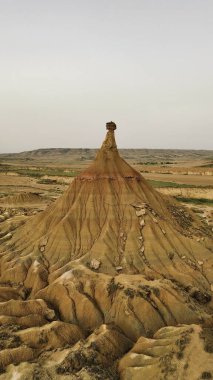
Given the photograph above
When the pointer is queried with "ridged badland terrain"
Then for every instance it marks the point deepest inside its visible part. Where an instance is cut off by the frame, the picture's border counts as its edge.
(113, 280)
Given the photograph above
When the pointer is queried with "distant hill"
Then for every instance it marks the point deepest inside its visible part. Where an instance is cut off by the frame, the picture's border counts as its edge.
(81, 154)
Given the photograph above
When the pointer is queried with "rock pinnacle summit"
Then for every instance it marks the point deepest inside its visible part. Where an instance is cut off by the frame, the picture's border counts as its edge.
(111, 126)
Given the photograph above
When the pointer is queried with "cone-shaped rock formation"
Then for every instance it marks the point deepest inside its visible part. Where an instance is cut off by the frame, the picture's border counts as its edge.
(111, 250)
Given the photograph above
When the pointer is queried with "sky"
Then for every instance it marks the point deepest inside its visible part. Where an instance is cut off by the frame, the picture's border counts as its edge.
(69, 66)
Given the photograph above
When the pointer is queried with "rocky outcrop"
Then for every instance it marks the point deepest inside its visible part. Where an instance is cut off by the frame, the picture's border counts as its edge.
(173, 353)
(22, 199)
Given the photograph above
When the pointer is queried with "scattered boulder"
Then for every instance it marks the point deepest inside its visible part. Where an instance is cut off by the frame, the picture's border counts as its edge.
(95, 264)
(140, 212)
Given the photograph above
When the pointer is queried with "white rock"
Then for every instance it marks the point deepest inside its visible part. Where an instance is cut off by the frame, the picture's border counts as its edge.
(127, 312)
(183, 257)
(140, 212)
(164, 232)
(200, 262)
(133, 356)
(6, 237)
(142, 249)
(139, 205)
(95, 264)
(35, 266)
(42, 249)
(67, 275)
(140, 238)
(44, 241)
(212, 287)
(142, 223)
(118, 268)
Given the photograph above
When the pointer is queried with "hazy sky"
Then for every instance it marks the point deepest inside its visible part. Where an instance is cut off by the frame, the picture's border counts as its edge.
(69, 66)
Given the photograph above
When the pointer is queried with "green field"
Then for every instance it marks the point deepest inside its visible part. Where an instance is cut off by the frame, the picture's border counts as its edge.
(159, 184)
(197, 201)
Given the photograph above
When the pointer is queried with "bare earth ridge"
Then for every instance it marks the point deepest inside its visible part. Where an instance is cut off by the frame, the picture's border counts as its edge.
(112, 280)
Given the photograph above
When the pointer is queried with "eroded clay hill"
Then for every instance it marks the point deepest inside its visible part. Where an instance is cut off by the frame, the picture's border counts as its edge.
(107, 265)
(27, 199)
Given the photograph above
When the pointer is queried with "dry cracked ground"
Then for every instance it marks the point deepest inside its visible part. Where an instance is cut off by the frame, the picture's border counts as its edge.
(113, 280)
